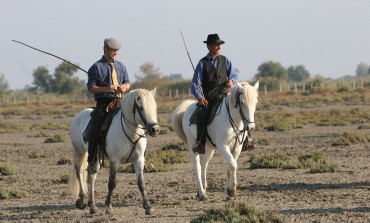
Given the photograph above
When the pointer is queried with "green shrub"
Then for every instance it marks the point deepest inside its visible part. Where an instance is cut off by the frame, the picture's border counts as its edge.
(7, 193)
(64, 178)
(364, 126)
(54, 139)
(351, 138)
(8, 128)
(238, 213)
(273, 160)
(35, 155)
(318, 163)
(63, 161)
(7, 170)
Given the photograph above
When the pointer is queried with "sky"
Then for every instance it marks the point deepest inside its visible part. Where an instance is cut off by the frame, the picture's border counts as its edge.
(328, 37)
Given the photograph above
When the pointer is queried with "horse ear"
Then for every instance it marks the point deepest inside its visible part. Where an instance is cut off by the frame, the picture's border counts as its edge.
(257, 84)
(154, 91)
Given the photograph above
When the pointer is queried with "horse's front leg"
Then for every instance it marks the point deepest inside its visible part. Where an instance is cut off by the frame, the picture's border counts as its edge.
(139, 167)
(201, 195)
(91, 202)
(204, 164)
(112, 183)
(231, 171)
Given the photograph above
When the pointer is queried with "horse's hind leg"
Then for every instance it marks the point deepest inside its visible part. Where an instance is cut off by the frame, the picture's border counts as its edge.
(111, 185)
(139, 166)
(91, 202)
(78, 178)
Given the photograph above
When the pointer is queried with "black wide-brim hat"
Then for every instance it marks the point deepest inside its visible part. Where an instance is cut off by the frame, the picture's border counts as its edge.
(213, 38)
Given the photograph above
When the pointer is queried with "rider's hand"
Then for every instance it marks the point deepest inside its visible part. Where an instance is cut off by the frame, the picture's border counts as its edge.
(112, 88)
(203, 102)
(123, 87)
(230, 83)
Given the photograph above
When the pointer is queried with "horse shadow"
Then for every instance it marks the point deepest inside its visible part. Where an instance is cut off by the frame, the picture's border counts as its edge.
(304, 186)
(312, 187)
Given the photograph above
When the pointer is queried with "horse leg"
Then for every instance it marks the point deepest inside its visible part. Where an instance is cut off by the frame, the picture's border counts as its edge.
(204, 164)
(231, 172)
(78, 178)
(201, 195)
(139, 166)
(80, 202)
(111, 185)
(91, 202)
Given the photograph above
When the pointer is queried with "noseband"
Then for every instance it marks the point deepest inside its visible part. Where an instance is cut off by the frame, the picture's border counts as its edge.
(143, 119)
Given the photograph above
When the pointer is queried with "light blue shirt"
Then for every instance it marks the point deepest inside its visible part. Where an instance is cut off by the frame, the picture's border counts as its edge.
(198, 75)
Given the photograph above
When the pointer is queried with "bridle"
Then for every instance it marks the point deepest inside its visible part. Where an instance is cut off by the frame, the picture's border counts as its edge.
(238, 132)
(143, 119)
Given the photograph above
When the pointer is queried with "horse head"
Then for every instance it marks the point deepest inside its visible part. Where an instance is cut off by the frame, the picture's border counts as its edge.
(245, 97)
(144, 109)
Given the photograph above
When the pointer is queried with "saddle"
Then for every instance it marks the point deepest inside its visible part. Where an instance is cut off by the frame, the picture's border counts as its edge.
(211, 114)
(112, 111)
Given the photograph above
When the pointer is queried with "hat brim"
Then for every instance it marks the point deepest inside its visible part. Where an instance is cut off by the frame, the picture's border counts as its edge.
(217, 42)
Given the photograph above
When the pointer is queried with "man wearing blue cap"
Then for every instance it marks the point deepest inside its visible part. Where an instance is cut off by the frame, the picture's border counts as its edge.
(115, 77)
(213, 75)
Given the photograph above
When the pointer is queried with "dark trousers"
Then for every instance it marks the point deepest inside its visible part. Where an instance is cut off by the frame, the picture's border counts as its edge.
(97, 119)
(202, 121)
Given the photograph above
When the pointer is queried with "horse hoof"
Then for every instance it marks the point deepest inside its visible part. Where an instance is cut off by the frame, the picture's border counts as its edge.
(148, 211)
(230, 193)
(202, 197)
(109, 211)
(80, 204)
(93, 209)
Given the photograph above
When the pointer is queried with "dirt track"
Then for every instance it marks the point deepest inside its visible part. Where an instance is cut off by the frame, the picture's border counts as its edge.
(297, 194)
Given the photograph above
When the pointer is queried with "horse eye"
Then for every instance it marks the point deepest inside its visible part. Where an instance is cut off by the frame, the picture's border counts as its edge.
(138, 98)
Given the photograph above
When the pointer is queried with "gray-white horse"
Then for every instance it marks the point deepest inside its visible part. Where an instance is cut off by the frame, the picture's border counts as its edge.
(227, 131)
(125, 142)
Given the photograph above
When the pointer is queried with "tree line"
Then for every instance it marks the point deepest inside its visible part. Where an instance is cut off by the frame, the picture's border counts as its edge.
(270, 74)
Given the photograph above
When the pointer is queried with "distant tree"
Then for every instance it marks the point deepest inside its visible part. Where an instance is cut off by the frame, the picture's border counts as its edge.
(42, 79)
(298, 73)
(362, 69)
(150, 77)
(149, 72)
(3, 83)
(271, 74)
(62, 82)
(272, 69)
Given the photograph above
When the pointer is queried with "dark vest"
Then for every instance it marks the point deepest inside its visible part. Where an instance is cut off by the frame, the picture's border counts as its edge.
(212, 77)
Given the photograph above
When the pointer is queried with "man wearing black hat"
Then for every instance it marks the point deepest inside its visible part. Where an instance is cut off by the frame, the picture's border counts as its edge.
(213, 72)
(115, 77)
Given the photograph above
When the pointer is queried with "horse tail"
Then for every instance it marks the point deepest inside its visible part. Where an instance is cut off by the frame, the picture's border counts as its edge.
(79, 165)
(177, 119)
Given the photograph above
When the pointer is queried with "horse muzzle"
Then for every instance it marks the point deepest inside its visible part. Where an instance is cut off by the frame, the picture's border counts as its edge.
(250, 126)
(153, 130)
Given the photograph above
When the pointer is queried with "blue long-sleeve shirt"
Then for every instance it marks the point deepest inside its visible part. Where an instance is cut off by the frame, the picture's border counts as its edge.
(198, 75)
(102, 71)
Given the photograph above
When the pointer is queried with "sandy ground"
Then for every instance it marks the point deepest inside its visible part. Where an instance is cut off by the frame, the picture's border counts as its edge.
(300, 196)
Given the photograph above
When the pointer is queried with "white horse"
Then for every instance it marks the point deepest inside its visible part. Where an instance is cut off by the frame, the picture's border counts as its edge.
(227, 132)
(125, 142)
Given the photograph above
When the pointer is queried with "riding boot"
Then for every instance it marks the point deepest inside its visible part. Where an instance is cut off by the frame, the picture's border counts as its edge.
(199, 146)
(97, 118)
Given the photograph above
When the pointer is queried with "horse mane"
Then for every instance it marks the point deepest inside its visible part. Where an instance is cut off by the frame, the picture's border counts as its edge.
(147, 97)
(250, 93)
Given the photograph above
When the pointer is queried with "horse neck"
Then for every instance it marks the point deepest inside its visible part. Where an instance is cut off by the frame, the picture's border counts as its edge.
(234, 111)
(127, 118)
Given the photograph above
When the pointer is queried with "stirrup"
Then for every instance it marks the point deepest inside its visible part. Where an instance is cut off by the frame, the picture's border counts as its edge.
(198, 148)
(91, 169)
